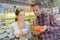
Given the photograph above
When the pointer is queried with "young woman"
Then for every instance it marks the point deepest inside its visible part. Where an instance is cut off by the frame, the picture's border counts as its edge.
(20, 29)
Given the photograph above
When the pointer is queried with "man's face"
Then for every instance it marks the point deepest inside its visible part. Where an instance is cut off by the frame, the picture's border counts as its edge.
(37, 11)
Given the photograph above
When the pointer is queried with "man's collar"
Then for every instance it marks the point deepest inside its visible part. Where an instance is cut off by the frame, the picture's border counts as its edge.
(41, 14)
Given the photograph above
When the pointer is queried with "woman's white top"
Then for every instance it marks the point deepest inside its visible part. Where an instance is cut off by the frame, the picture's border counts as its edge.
(14, 30)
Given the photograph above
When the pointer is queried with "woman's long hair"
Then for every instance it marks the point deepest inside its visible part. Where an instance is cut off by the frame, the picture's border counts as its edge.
(17, 13)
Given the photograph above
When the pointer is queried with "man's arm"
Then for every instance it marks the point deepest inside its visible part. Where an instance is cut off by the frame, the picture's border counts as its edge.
(34, 33)
(54, 25)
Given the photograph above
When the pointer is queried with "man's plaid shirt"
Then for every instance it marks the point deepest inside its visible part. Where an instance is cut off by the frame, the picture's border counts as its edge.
(50, 21)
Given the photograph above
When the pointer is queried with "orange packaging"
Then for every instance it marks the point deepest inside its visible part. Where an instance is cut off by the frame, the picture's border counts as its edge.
(38, 28)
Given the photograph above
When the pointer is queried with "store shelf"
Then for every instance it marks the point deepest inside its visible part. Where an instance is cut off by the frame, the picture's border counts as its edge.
(4, 33)
(5, 22)
(8, 18)
(30, 18)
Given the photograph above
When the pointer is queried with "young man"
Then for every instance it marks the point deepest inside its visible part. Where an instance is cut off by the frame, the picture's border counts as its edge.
(46, 20)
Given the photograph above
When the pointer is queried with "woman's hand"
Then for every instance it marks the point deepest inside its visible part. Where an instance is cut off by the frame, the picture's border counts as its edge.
(19, 34)
(25, 31)
(22, 32)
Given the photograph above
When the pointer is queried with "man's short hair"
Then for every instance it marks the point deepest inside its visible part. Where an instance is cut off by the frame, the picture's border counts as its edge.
(39, 4)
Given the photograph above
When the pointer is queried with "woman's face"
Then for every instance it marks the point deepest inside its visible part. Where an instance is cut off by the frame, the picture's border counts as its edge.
(21, 16)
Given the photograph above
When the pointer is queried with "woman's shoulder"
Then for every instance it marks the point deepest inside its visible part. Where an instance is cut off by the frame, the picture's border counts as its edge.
(26, 23)
(12, 24)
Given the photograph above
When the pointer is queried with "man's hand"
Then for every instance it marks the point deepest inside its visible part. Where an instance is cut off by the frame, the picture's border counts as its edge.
(44, 28)
(36, 33)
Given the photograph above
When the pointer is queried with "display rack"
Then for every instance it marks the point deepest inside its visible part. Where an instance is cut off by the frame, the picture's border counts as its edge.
(8, 15)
